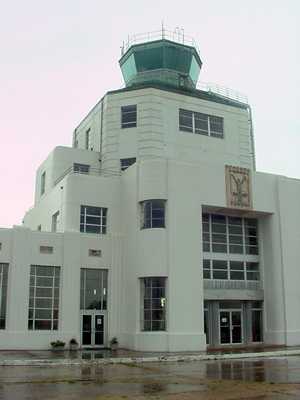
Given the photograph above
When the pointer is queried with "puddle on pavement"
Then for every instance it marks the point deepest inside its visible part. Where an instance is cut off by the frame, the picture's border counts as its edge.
(253, 379)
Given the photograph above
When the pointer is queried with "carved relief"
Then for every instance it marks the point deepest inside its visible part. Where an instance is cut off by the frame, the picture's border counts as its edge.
(238, 187)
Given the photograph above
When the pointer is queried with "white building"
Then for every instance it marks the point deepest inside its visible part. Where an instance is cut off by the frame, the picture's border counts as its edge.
(155, 227)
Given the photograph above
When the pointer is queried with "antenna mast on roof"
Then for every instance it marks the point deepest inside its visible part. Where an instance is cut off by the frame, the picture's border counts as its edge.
(162, 29)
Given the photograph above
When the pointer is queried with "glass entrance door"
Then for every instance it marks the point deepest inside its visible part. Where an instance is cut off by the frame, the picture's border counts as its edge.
(92, 329)
(231, 327)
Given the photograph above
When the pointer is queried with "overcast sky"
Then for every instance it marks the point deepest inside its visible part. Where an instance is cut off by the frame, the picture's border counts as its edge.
(59, 57)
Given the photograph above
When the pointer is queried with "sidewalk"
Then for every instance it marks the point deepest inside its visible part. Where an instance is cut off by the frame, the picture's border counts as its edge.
(122, 356)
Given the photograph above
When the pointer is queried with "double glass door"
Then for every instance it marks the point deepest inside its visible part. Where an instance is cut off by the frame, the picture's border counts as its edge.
(92, 329)
(231, 327)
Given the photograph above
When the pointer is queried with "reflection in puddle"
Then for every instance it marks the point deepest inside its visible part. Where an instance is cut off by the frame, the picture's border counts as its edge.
(152, 388)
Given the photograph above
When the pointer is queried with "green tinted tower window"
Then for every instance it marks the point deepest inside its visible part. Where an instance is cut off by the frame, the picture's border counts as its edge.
(161, 62)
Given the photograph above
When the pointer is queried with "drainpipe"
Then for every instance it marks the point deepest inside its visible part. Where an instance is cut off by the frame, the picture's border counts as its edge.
(101, 134)
(281, 261)
(252, 136)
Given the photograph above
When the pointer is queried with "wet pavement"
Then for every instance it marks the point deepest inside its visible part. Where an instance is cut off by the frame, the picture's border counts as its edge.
(255, 379)
(121, 353)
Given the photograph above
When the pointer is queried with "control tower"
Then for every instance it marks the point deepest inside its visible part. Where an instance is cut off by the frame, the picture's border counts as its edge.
(165, 58)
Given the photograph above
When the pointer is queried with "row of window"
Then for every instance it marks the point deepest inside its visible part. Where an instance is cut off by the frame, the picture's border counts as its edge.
(233, 235)
(94, 219)
(44, 294)
(189, 121)
(231, 270)
(44, 297)
(85, 168)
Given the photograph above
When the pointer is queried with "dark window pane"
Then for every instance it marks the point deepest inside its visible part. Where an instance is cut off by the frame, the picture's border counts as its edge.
(252, 276)
(237, 275)
(205, 237)
(237, 265)
(235, 239)
(235, 249)
(42, 324)
(256, 326)
(219, 274)
(219, 264)
(158, 325)
(158, 223)
(219, 238)
(251, 250)
(92, 229)
(127, 162)
(235, 221)
(206, 247)
(205, 217)
(128, 116)
(220, 219)
(205, 227)
(218, 228)
(206, 274)
(219, 248)
(235, 230)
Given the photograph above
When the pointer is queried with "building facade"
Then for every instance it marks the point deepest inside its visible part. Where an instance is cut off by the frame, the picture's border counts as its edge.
(155, 226)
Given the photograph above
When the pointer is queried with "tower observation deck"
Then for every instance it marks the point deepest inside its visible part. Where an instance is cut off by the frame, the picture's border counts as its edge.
(161, 57)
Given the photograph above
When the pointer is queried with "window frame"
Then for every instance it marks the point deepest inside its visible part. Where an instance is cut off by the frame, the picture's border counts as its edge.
(43, 183)
(129, 111)
(102, 279)
(79, 168)
(4, 269)
(55, 221)
(209, 269)
(211, 120)
(102, 216)
(155, 304)
(127, 162)
(53, 298)
(211, 229)
(147, 210)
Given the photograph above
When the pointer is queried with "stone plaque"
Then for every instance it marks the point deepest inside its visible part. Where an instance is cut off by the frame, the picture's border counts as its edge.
(238, 187)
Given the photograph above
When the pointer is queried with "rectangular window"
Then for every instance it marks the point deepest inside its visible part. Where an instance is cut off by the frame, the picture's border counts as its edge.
(206, 269)
(46, 249)
(93, 219)
(229, 235)
(252, 271)
(203, 124)
(257, 321)
(3, 293)
(236, 238)
(43, 297)
(153, 214)
(55, 222)
(87, 139)
(237, 270)
(126, 162)
(43, 182)
(95, 253)
(220, 269)
(129, 116)
(81, 168)
(93, 289)
(153, 313)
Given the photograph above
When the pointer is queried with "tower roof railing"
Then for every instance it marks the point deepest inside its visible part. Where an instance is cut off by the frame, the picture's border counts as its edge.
(177, 35)
(222, 91)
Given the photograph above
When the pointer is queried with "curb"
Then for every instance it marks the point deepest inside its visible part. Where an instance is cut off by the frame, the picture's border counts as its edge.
(140, 360)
